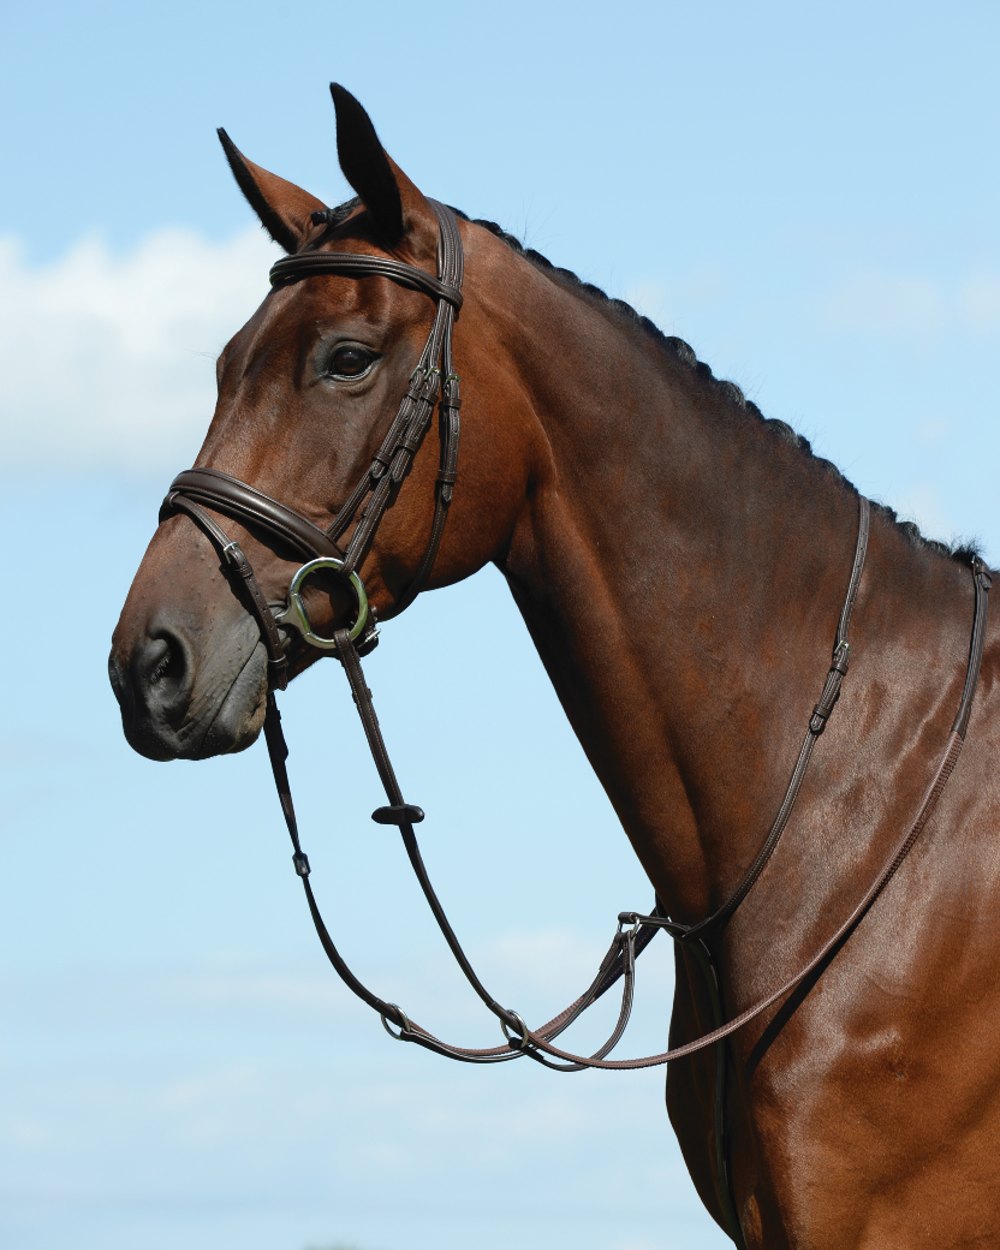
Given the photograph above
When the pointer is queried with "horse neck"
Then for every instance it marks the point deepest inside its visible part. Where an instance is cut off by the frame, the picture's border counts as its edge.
(681, 568)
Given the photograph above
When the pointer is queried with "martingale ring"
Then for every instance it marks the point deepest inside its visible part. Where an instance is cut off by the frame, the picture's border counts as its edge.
(294, 612)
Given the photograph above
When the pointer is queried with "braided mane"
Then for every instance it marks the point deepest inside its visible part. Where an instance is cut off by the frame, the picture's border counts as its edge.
(681, 351)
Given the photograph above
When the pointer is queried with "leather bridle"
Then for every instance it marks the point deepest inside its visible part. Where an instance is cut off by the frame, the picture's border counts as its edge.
(196, 491)
(433, 378)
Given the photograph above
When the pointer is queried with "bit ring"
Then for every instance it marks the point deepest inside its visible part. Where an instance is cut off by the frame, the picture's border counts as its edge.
(294, 612)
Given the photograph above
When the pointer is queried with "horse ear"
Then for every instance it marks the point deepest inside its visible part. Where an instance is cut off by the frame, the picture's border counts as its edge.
(285, 210)
(384, 189)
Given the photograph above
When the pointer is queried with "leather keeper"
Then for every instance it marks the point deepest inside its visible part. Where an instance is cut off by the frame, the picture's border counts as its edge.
(398, 814)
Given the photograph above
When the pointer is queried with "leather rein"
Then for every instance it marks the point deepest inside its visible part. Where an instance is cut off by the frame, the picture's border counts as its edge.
(198, 492)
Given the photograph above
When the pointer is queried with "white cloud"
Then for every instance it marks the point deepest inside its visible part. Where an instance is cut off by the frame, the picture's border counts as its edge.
(667, 307)
(230, 1084)
(109, 361)
(979, 302)
(888, 304)
(649, 297)
(924, 503)
(911, 306)
(545, 958)
(932, 431)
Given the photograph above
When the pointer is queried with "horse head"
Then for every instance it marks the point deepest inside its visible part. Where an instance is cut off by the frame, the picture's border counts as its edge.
(308, 413)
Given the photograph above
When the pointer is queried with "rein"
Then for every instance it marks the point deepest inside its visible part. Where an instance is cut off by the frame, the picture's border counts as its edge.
(635, 930)
(199, 491)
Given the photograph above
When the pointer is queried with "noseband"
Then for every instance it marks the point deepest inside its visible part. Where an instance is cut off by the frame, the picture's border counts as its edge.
(432, 380)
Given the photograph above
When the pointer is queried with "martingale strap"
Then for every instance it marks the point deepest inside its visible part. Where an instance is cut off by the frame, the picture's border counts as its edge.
(817, 723)
(634, 930)
(196, 490)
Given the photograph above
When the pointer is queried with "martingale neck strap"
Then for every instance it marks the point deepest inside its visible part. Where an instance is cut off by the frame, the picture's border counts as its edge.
(829, 695)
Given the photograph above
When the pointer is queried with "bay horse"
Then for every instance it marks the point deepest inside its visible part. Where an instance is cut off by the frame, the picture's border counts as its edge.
(681, 564)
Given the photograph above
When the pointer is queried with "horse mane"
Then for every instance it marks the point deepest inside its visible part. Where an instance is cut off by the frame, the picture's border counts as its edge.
(731, 394)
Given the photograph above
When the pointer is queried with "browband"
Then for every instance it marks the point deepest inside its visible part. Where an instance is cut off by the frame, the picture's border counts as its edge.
(360, 265)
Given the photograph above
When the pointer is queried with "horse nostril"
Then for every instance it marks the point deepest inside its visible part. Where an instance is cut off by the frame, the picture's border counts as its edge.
(162, 669)
(163, 658)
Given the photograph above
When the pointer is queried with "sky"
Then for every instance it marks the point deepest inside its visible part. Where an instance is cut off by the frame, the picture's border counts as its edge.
(809, 195)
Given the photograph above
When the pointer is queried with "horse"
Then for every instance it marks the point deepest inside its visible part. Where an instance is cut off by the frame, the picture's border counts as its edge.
(682, 565)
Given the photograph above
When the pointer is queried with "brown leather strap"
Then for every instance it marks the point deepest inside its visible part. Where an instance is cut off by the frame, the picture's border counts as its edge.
(624, 948)
(361, 265)
(252, 508)
(393, 460)
(433, 377)
(949, 758)
(241, 573)
(538, 1043)
(607, 976)
(195, 489)
(817, 723)
(390, 466)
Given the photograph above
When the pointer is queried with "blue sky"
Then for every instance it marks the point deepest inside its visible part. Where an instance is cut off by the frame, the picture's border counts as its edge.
(808, 195)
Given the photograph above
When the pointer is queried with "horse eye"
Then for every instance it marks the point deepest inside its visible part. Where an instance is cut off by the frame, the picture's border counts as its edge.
(350, 361)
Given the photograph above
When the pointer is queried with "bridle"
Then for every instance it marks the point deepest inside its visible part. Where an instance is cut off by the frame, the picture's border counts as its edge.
(433, 380)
